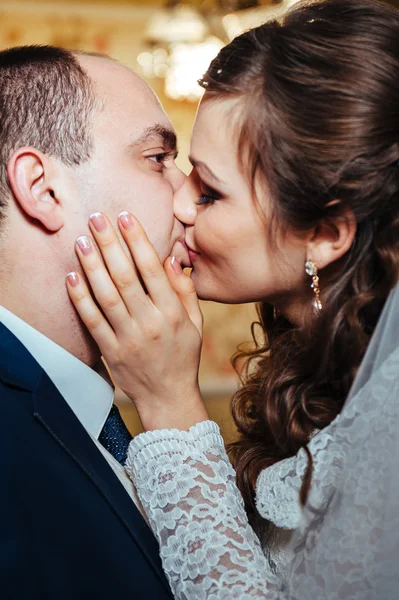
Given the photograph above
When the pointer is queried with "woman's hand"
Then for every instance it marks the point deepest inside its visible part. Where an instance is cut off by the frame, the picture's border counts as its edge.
(150, 338)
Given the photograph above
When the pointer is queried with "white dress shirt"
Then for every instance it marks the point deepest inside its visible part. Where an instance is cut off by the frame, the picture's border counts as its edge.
(87, 393)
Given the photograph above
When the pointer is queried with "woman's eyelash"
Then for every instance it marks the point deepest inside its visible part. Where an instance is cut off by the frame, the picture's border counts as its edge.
(206, 199)
(208, 195)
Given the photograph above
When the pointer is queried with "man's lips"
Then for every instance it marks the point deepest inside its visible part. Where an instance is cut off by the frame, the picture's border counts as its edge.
(182, 254)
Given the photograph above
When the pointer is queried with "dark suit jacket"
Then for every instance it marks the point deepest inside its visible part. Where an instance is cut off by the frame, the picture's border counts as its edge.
(68, 528)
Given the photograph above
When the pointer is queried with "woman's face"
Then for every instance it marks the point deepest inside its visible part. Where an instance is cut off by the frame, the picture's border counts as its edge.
(233, 258)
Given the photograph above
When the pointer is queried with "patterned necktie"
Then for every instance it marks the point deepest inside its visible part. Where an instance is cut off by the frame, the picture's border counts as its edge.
(114, 436)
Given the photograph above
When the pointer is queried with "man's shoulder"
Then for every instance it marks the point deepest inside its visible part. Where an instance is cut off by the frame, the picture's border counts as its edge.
(18, 368)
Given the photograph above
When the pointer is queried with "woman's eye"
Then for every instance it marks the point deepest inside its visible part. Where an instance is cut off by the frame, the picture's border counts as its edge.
(206, 199)
(208, 195)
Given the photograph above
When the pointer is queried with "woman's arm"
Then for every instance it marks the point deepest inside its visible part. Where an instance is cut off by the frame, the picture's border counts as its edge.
(151, 340)
(187, 487)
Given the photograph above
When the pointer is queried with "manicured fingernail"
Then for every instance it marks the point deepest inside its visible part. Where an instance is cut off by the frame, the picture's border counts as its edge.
(126, 220)
(99, 222)
(73, 279)
(84, 245)
(176, 265)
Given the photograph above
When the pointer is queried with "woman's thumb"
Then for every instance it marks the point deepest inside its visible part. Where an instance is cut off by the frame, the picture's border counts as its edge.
(185, 290)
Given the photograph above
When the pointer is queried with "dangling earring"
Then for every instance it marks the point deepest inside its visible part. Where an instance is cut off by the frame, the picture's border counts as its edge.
(311, 269)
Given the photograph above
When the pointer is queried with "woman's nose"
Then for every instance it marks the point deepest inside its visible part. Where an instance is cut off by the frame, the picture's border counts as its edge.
(185, 202)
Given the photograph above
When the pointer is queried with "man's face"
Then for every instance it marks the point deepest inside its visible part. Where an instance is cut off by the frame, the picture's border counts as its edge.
(132, 163)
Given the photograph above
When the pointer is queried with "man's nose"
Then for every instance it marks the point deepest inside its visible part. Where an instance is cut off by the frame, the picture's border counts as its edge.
(185, 202)
(177, 179)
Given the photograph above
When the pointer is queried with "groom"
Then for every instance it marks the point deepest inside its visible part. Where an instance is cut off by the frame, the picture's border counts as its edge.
(78, 133)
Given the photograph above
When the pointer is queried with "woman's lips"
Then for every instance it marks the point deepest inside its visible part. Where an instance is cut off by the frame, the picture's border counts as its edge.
(192, 253)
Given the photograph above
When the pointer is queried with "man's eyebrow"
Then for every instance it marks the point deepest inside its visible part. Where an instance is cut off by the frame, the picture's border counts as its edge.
(198, 164)
(157, 133)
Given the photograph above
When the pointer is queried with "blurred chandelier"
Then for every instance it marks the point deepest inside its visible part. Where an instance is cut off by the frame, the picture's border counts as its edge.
(182, 39)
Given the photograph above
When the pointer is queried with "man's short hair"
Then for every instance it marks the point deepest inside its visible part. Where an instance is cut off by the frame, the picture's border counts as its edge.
(46, 101)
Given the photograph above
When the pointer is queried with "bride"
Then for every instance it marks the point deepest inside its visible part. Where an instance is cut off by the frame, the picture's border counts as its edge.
(293, 202)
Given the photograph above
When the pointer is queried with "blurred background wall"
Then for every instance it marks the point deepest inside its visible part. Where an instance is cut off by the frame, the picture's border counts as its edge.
(170, 43)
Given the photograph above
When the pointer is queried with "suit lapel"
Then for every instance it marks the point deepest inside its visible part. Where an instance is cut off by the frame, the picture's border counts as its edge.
(19, 369)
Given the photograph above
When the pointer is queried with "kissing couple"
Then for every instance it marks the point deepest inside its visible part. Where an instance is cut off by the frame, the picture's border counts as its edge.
(293, 202)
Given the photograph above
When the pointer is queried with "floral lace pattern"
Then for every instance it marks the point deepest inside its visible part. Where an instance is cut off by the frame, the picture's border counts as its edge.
(351, 549)
(209, 552)
(277, 488)
(187, 486)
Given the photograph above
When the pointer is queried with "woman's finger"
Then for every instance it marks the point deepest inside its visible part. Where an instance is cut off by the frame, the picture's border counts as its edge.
(121, 269)
(90, 314)
(185, 290)
(103, 287)
(147, 262)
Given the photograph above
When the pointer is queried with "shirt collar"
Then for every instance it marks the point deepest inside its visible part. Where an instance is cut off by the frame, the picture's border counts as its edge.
(87, 392)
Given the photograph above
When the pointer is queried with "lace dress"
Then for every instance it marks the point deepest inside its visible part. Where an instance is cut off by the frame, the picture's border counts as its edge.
(209, 551)
(344, 545)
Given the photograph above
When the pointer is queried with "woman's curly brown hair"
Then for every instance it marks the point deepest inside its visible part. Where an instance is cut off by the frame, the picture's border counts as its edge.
(318, 99)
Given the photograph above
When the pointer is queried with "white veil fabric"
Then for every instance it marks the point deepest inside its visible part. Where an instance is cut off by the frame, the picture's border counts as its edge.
(347, 546)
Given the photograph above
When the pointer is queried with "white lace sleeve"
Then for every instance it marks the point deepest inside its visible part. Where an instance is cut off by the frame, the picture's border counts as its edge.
(187, 487)
(278, 487)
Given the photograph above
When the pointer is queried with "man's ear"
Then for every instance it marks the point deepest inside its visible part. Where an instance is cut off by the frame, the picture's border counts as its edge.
(333, 237)
(32, 178)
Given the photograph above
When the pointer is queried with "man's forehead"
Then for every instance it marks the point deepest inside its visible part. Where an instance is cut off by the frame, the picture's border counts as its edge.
(112, 79)
(127, 101)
